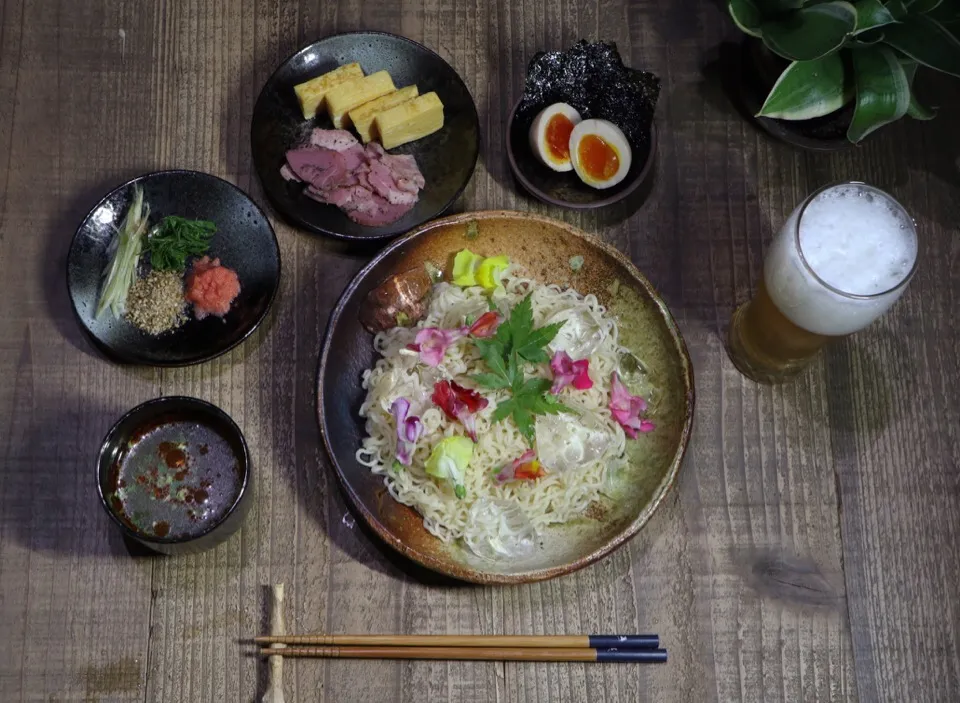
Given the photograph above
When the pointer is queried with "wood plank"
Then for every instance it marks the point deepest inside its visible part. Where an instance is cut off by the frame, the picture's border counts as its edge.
(809, 552)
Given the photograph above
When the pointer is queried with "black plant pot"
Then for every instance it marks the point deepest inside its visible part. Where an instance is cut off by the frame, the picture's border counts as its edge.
(759, 70)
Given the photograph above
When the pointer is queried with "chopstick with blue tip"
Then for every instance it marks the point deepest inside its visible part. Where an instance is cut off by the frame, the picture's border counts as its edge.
(523, 654)
(510, 641)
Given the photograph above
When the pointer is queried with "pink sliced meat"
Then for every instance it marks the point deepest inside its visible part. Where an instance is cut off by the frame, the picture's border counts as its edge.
(405, 171)
(321, 168)
(335, 139)
(384, 184)
(373, 188)
(376, 212)
(287, 174)
(354, 157)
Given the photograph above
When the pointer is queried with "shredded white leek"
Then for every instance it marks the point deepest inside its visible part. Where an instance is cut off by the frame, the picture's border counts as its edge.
(124, 251)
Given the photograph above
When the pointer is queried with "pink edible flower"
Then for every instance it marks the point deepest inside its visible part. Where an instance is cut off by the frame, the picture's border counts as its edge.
(567, 371)
(526, 468)
(460, 404)
(409, 430)
(626, 409)
(486, 325)
(432, 343)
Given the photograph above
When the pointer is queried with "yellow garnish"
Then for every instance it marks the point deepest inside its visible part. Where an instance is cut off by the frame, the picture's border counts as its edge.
(490, 270)
(465, 265)
(449, 460)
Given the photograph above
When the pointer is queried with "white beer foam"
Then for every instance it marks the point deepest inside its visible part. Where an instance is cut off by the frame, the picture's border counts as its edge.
(855, 239)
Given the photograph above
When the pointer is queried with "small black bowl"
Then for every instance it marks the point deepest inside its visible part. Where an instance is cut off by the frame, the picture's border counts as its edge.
(446, 158)
(157, 412)
(244, 242)
(566, 189)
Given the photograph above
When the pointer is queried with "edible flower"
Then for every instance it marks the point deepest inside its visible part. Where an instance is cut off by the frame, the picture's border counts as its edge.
(432, 343)
(526, 468)
(409, 430)
(449, 460)
(459, 403)
(490, 270)
(465, 265)
(567, 371)
(626, 408)
(484, 326)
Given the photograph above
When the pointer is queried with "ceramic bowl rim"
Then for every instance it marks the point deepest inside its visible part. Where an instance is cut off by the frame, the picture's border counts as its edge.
(663, 489)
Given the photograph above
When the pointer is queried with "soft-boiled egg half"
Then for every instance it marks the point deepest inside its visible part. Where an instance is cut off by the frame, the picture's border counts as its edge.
(600, 153)
(550, 135)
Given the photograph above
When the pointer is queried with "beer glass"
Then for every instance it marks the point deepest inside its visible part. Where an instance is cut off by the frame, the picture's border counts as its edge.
(843, 257)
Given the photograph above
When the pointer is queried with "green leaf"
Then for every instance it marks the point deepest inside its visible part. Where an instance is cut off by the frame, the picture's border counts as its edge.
(883, 94)
(534, 386)
(808, 89)
(946, 13)
(504, 409)
(536, 340)
(493, 356)
(870, 14)
(922, 7)
(547, 405)
(745, 15)
(926, 41)
(521, 321)
(771, 8)
(514, 373)
(524, 420)
(491, 381)
(916, 110)
(811, 32)
(868, 38)
(897, 9)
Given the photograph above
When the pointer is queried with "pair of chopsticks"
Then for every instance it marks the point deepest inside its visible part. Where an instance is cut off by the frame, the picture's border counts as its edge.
(533, 648)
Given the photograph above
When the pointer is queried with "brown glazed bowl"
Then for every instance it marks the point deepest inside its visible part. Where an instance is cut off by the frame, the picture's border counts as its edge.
(544, 246)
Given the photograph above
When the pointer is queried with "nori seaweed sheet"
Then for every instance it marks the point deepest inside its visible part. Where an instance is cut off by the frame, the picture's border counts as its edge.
(592, 78)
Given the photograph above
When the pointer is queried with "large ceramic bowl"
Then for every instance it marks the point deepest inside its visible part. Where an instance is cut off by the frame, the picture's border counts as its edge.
(544, 247)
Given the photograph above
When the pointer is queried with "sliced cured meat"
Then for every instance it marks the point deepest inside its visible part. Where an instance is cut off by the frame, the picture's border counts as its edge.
(371, 187)
(405, 171)
(334, 139)
(382, 180)
(321, 168)
(287, 174)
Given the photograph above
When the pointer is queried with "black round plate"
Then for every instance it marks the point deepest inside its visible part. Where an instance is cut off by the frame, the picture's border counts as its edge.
(446, 158)
(244, 241)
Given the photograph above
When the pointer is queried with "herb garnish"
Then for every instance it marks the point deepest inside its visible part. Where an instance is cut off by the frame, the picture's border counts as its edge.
(515, 343)
(177, 238)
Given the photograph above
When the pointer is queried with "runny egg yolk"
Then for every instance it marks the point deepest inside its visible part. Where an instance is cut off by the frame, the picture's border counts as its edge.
(599, 160)
(558, 137)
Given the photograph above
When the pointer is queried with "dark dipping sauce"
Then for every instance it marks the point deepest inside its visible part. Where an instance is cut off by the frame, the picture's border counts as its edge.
(174, 479)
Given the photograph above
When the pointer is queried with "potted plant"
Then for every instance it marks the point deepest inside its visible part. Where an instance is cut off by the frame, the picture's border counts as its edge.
(834, 70)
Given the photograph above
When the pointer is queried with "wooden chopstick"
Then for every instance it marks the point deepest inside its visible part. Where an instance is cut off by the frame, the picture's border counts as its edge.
(528, 654)
(509, 641)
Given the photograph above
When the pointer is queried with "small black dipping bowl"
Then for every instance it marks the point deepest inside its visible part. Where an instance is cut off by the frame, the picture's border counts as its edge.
(244, 242)
(129, 430)
(566, 189)
(446, 158)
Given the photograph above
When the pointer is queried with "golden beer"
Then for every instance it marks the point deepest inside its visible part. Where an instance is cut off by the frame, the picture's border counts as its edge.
(844, 256)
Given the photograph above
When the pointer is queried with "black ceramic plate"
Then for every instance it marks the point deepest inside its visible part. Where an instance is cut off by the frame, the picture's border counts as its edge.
(244, 242)
(446, 158)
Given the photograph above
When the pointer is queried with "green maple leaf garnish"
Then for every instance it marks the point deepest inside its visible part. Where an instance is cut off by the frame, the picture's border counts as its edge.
(518, 342)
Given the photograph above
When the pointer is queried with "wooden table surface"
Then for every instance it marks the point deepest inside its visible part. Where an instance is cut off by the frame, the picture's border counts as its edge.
(811, 549)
